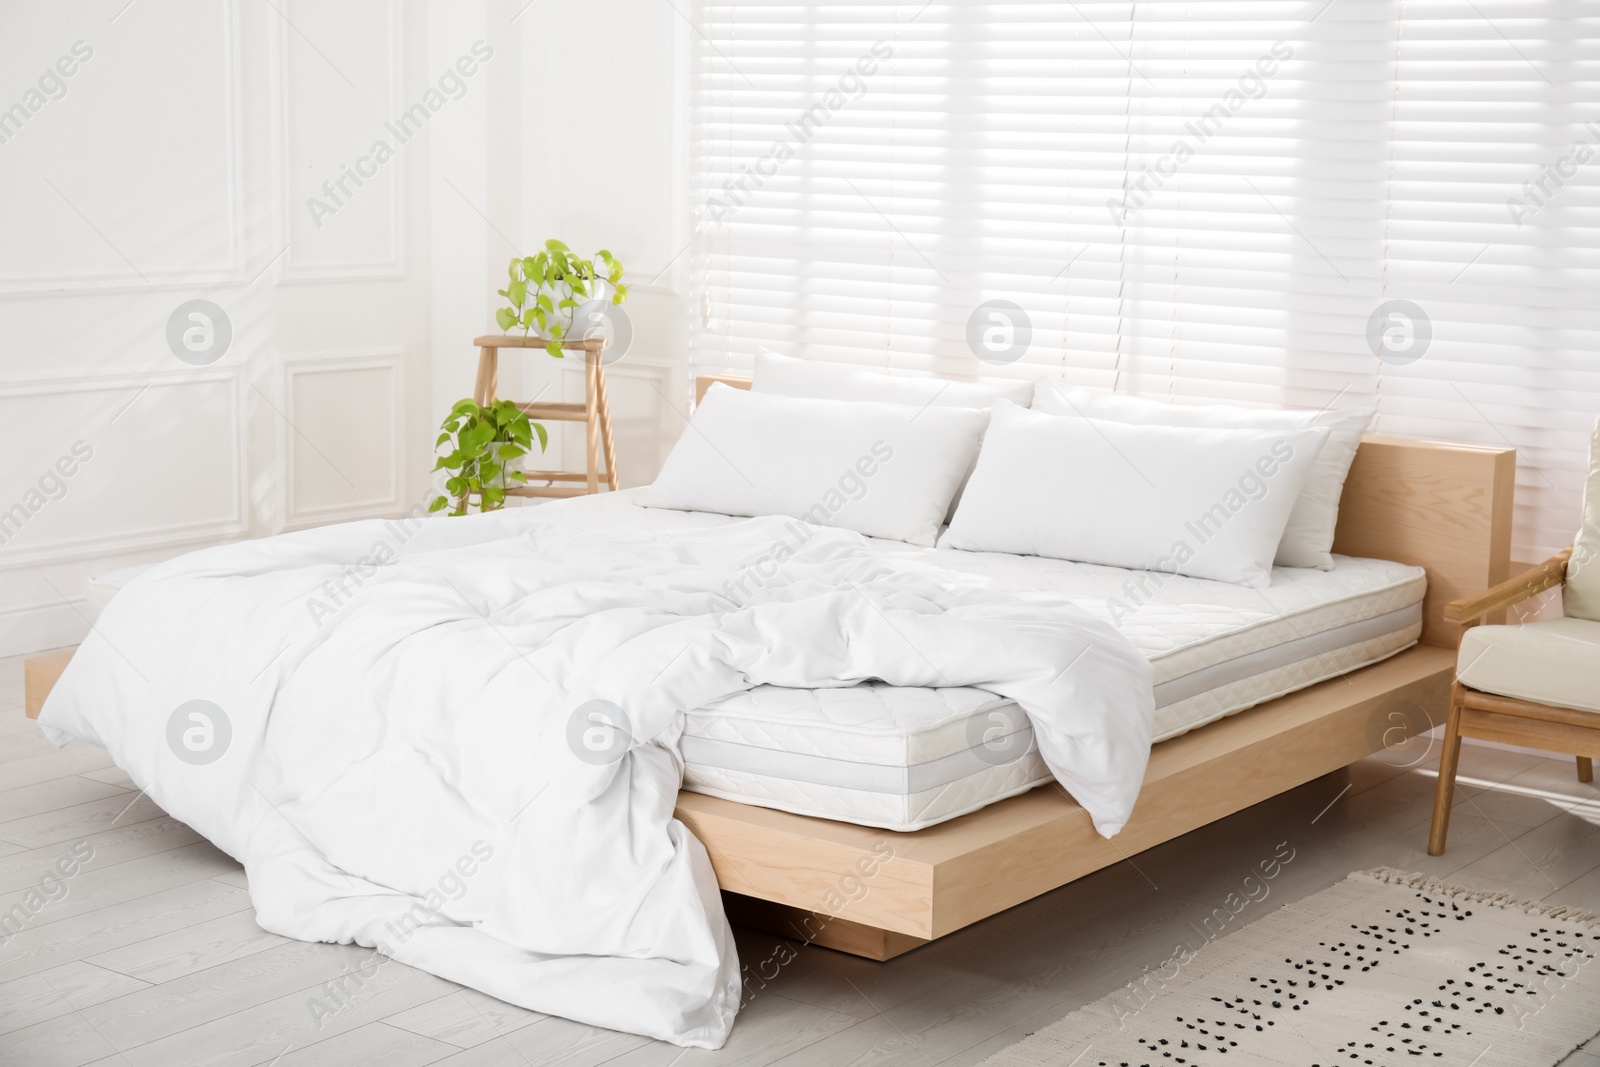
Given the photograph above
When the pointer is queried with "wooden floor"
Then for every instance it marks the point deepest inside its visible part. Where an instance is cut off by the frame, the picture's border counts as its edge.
(152, 957)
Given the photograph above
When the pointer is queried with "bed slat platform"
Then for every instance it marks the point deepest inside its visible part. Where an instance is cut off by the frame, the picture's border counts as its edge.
(877, 893)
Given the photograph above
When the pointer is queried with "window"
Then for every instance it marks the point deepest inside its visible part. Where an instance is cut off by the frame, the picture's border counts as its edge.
(1296, 203)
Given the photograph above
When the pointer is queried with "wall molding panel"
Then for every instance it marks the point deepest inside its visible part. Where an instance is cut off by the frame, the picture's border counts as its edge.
(291, 213)
(232, 520)
(313, 446)
(142, 277)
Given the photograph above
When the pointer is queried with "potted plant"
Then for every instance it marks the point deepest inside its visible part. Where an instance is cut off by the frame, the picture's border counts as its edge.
(548, 289)
(484, 441)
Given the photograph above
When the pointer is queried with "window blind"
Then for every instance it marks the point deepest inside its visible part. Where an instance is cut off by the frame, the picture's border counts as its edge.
(1491, 210)
(1288, 202)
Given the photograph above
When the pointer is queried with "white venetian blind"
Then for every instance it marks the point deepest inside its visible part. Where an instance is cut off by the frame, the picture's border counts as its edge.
(1486, 96)
(1196, 200)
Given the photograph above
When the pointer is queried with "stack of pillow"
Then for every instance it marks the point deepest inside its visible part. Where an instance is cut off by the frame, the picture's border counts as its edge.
(1213, 491)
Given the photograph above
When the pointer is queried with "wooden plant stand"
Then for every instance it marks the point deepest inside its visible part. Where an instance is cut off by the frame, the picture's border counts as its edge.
(594, 411)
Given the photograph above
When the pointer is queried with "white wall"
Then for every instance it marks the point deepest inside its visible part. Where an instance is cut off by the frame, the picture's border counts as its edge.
(176, 163)
(579, 138)
(604, 105)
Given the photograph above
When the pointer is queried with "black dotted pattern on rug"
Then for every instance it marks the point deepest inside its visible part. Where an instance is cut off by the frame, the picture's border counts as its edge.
(1412, 1035)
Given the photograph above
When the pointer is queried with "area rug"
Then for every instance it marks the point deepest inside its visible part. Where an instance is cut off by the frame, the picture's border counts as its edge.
(1385, 968)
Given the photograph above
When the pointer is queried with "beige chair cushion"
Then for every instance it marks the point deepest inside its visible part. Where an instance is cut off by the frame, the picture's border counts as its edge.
(1553, 662)
(1581, 598)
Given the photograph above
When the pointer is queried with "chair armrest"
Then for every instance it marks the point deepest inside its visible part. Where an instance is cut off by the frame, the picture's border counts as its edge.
(1547, 575)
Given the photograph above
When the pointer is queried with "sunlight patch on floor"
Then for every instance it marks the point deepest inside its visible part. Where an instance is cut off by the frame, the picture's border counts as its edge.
(1585, 808)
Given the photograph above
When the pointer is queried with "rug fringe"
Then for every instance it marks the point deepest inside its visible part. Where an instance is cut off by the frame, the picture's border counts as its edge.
(1498, 898)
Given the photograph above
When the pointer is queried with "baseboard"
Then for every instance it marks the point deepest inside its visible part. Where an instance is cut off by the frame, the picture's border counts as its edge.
(32, 628)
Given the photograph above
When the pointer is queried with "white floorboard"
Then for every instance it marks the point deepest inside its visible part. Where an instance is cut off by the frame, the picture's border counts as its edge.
(153, 957)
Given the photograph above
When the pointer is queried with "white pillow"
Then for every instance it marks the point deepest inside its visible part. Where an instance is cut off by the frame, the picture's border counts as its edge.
(1209, 503)
(787, 376)
(1308, 539)
(885, 470)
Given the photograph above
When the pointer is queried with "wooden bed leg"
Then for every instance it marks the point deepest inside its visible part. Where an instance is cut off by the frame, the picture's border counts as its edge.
(1449, 758)
(1585, 769)
(841, 935)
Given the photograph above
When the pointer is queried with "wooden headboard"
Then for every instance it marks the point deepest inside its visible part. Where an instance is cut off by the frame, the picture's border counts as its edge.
(1445, 508)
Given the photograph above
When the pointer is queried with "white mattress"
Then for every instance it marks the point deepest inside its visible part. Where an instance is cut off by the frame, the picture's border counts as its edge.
(903, 759)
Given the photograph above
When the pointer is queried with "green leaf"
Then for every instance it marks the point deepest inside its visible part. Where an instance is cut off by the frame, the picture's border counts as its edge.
(506, 317)
(438, 503)
(528, 317)
(544, 303)
(620, 295)
(518, 293)
(518, 476)
(455, 485)
(567, 303)
(474, 439)
(509, 451)
(555, 246)
(554, 348)
(442, 439)
(544, 438)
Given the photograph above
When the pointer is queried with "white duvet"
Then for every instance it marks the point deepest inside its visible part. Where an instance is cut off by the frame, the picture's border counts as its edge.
(409, 760)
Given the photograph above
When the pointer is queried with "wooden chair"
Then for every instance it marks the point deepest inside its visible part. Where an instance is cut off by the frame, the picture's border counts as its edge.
(1535, 684)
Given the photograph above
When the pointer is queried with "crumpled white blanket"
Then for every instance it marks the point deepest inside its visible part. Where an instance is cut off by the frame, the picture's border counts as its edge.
(398, 739)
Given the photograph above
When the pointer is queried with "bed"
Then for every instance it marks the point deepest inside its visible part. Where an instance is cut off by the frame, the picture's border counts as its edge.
(1443, 508)
(1257, 694)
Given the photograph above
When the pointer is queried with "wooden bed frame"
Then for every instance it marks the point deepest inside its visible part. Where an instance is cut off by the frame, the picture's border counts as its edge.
(878, 893)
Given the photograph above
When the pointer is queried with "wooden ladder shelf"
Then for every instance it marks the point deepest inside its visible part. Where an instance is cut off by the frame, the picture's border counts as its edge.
(594, 411)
